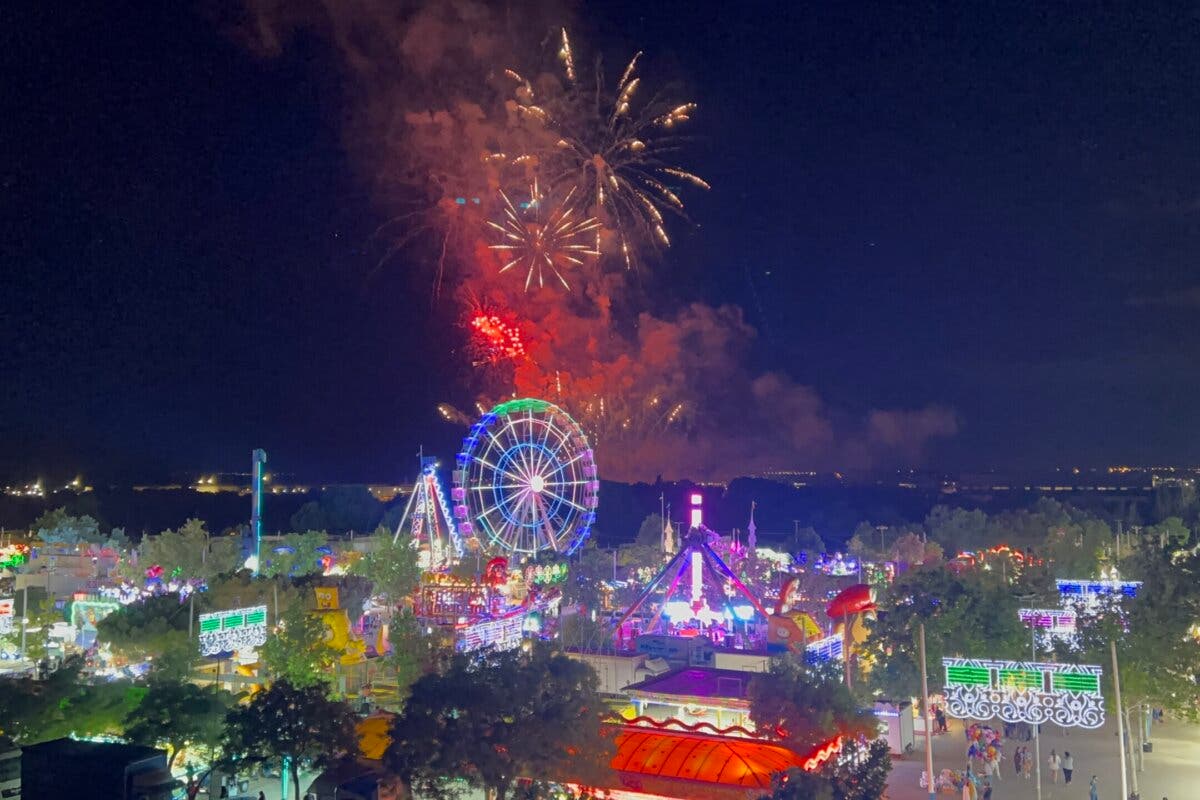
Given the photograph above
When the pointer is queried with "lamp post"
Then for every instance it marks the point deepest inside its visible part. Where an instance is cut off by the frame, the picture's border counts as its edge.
(1037, 728)
(925, 714)
(1120, 720)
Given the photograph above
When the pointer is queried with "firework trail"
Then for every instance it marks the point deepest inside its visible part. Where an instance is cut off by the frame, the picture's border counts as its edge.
(615, 150)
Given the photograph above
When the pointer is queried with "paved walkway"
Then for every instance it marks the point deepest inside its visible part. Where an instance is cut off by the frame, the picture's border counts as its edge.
(1172, 770)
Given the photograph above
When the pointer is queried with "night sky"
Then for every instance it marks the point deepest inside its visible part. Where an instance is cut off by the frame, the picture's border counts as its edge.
(993, 211)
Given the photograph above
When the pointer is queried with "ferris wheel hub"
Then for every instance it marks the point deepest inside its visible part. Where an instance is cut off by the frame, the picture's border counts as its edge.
(537, 484)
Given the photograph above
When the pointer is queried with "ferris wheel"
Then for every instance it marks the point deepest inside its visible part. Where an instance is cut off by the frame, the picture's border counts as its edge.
(525, 481)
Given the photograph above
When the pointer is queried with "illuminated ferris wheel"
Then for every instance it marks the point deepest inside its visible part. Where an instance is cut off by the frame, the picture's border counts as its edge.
(525, 481)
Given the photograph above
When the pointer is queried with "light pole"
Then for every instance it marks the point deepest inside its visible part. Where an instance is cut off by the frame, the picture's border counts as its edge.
(1120, 721)
(1037, 728)
(925, 715)
(24, 618)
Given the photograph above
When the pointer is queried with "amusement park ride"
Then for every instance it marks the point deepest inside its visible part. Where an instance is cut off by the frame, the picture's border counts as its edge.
(525, 490)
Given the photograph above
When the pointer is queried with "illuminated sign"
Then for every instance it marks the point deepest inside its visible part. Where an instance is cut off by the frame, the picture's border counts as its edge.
(827, 649)
(1054, 620)
(505, 633)
(238, 629)
(1088, 593)
(1019, 691)
(327, 598)
(88, 613)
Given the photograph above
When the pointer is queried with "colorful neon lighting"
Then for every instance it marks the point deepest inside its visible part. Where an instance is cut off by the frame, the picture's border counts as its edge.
(1053, 620)
(698, 727)
(88, 613)
(525, 480)
(236, 629)
(823, 754)
(827, 649)
(1019, 691)
(428, 520)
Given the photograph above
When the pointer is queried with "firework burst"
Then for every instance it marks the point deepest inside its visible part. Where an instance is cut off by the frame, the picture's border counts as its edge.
(493, 339)
(538, 241)
(615, 150)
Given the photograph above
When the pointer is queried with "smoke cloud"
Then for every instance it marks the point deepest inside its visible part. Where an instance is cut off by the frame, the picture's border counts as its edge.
(662, 392)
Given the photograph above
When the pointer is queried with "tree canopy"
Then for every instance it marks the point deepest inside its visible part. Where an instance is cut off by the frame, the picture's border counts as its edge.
(61, 704)
(966, 615)
(289, 722)
(296, 555)
(496, 717)
(190, 552)
(390, 565)
(179, 714)
(861, 775)
(298, 652)
(1157, 649)
(806, 705)
(59, 527)
(340, 509)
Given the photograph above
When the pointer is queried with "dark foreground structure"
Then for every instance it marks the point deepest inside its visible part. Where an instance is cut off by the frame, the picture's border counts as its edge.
(66, 769)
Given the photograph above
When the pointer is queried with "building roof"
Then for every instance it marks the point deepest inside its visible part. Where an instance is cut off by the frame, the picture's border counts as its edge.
(708, 759)
(700, 685)
(114, 752)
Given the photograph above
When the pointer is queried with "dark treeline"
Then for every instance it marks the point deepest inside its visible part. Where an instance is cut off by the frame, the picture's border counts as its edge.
(833, 511)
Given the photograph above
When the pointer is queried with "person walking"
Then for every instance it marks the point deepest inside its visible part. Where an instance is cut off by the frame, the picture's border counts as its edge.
(1093, 791)
(1028, 764)
(1068, 766)
(987, 791)
(1018, 760)
(1055, 764)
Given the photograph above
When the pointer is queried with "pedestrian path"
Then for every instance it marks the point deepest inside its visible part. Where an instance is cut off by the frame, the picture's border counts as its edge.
(1172, 770)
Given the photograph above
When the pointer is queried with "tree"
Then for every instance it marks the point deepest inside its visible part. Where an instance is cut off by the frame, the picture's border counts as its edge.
(148, 628)
(806, 705)
(413, 650)
(933, 553)
(41, 616)
(860, 774)
(59, 527)
(1158, 653)
(190, 552)
(296, 555)
(298, 652)
(35, 710)
(957, 530)
(861, 540)
(967, 615)
(650, 532)
(909, 548)
(390, 566)
(340, 509)
(589, 567)
(179, 714)
(1075, 549)
(494, 718)
(1170, 533)
(286, 722)
(805, 540)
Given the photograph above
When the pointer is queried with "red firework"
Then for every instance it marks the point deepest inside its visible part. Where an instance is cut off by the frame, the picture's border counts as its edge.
(493, 339)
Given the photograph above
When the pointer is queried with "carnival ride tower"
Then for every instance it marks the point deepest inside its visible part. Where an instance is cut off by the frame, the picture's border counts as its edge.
(692, 583)
(428, 522)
